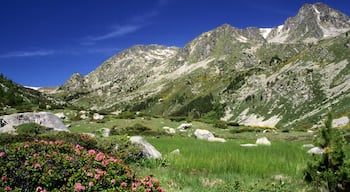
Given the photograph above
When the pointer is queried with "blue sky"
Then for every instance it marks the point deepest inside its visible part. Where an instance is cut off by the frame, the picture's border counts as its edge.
(43, 42)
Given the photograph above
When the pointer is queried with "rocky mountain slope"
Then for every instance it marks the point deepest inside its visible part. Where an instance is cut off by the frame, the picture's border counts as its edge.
(285, 77)
(18, 97)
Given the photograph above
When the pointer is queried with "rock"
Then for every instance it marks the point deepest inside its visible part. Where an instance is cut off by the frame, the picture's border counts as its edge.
(315, 150)
(308, 145)
(248, 145)
(169, 130)
(175, 152)
(148, 150)
(185, 126)
(83, 116)
(97, 116)
(340, 122)
(42, 118)
(263, 141)
(216, 139)
(61, 115)
(203, 134)
(105, 132)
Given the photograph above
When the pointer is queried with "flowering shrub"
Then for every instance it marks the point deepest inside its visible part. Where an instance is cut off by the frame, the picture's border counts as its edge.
(59, 166)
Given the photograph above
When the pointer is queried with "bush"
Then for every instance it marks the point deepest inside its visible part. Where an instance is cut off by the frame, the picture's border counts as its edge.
(329, 171)
(61, 166)
(126, 115)
(32, 128)
(220, 124)
(121, 147)
(136, 129)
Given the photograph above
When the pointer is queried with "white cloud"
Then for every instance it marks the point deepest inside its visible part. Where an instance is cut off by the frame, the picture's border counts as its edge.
(27, 53)
(117, 32)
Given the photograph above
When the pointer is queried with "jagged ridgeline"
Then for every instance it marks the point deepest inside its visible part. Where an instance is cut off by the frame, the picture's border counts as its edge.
(14, 96)
(284, 77)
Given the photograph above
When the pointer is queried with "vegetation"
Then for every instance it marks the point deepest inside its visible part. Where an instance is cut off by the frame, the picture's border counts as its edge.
(60, 166)
(331, 170)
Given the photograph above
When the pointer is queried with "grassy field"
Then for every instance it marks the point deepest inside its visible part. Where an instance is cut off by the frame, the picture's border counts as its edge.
(205, 166)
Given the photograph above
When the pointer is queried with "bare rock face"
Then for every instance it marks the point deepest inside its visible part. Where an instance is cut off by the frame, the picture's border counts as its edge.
(42, 118)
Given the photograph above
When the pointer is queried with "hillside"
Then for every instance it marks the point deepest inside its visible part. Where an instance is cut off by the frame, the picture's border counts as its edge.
(16, 97)
(285, 77)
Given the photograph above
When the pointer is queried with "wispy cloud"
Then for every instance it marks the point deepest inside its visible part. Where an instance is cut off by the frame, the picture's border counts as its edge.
(27, 53)
(116, 32)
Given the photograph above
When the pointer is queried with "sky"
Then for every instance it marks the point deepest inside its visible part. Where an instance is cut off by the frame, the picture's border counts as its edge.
(43, 42)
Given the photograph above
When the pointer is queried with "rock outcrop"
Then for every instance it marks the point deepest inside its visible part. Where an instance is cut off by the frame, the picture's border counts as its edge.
(42, 118)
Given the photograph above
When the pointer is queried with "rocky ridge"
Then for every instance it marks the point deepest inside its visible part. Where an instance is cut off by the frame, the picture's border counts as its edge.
(286, 76)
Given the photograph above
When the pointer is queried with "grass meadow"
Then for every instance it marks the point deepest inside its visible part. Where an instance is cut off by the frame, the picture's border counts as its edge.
(206, 166)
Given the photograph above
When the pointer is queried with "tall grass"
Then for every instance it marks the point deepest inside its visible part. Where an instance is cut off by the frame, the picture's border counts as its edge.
(226, 158)
(201, 164)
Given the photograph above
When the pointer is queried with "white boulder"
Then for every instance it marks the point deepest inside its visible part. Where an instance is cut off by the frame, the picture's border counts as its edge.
(61, 115)
(185, 126)
(216, 139)
(42, 118)
(340, 122)
(97, 116)
(175, 152)
(203, 134)
(149, 151)
(262, 141)
(248, 145)
(315, 150)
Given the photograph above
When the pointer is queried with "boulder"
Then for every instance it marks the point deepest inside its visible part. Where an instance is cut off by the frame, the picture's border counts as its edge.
(315, 150)
(105, 132)
(248, 145)
(175, 152)
(185, 126)
(169, 130)
(216, 139)
(148, 150)
(84, 116)
(262, 141)
(340, 122)
(97, 116)
(61, 115)
(308, 145)
(203, 134)
(42, 118)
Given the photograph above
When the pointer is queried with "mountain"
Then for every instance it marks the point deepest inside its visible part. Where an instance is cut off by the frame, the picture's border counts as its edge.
(285, 77)
(15, 96)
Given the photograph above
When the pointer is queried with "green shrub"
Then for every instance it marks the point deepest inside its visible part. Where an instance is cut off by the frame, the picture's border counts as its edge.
(121, 147)
(60, 166)
(32, 128)
(126, 115)
(329, 171)
(136, 129)
(220, 124)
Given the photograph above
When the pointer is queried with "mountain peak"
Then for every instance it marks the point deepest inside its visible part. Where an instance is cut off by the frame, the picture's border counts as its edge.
(312, 23)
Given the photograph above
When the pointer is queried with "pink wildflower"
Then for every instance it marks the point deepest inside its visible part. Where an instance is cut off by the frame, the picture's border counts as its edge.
(113, 181)
(35, 155)
(26, 145)
(100, 156)
(37, 165)
(2, 153)
(69, 158)
(79, 187)
(97, 177)
(91, 152)
(4, 178)
(38, 188)
(90, 174)
(159, 189)
(7, 188)
(91, 184)
(26, 163)
(123, 184)
(104, 163)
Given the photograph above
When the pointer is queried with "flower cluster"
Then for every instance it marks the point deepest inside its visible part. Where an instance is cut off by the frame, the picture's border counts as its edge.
(56, 165)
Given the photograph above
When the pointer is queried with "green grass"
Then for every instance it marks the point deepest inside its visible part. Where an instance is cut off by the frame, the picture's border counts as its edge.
(226, 165)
